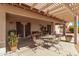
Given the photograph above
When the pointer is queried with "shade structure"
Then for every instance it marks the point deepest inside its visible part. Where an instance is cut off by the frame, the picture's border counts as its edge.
(59, 10)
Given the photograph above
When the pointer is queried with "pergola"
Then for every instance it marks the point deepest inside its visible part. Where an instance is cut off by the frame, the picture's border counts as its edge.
(59, 11)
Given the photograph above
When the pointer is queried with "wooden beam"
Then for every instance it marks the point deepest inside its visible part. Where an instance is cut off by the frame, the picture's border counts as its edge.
(15, 4)
(75, 5)
(56, 11)
(24, 6)
(47, 12)
(41, 12)
(59, 13)
(20, 5)
(33, 5)
(55, 8)
(69, 9)
(46, 6)
(35, 10)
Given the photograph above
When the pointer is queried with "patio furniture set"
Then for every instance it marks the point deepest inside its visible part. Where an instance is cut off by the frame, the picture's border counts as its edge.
(46, 41)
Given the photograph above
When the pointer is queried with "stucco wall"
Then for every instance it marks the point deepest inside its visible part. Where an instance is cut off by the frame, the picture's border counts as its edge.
(35, 24)
(2, 33)
(2, 29)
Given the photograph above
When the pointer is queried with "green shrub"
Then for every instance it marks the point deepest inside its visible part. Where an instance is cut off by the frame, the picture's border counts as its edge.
(71, 29)
(12, 38)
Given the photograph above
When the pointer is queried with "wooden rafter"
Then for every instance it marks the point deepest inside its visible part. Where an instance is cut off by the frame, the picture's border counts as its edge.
(34, 10)
(57, 10)
(75, 5)
(15, 4)
(47, 13)
(54, 8)
(33, 5)
(23, 6)
(69, 9)
(46, 6)
(27, 7)
(59, 13)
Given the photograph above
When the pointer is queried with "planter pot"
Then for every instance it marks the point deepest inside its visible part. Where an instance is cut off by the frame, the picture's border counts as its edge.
(13, 48)
(68, 38)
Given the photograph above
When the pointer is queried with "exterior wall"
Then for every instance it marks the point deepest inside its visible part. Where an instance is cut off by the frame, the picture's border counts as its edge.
(2, 33)
(35, 24)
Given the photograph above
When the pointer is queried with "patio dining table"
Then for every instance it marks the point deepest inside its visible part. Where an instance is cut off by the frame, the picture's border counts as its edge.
(48, 38)
(51, 40)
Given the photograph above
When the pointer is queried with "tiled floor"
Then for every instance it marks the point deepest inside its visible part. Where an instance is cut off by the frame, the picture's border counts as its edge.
(66, 49)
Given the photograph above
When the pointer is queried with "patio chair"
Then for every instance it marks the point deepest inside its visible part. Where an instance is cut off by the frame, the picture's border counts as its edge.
(38, 42)
(30, 43)
(55, 41)
(35, 43)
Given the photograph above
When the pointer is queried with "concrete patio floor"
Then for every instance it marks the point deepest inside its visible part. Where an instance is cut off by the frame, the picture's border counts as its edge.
(66, 49)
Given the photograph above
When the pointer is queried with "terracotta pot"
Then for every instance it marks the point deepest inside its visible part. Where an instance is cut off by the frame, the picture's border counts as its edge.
(68, 38)
(13, 48)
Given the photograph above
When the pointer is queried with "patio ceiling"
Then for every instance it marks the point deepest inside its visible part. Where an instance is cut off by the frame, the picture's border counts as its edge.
(65, 12)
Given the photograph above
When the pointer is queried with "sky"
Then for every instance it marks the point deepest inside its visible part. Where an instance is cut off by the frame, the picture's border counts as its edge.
(71, 24)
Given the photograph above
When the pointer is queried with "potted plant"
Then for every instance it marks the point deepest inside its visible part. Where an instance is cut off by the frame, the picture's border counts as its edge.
(68, 38)
(12, 40)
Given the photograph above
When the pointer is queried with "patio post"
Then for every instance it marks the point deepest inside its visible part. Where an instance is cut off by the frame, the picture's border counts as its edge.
(53, 27)
(75, 30)
(64, 28)
(2, 33)
(24, 29)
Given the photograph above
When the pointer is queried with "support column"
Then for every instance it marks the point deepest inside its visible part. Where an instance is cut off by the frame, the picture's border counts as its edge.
(53, 27)
(24, 29)
(75, 29)
(2, 33)
(64, 28)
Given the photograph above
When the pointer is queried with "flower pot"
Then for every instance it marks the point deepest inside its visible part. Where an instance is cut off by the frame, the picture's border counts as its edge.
(13, 48)
(68, 38)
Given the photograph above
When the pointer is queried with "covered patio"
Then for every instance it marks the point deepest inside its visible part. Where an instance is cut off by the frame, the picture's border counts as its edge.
(63, 13)
(28, 18)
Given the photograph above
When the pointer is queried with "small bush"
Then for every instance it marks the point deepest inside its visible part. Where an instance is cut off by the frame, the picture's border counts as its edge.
(71, 29)
(13, 38)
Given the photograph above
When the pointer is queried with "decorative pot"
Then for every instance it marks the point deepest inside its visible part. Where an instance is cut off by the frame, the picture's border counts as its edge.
(13, 48)
(68, 38)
